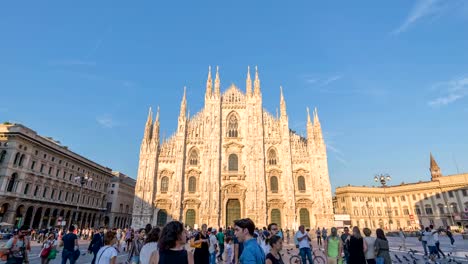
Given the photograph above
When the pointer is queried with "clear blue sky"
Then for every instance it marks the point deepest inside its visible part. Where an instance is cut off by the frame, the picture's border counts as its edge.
(390, 79)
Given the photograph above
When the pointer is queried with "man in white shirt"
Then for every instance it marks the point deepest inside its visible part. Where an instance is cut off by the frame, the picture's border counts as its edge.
(213, 249)
(304, 245)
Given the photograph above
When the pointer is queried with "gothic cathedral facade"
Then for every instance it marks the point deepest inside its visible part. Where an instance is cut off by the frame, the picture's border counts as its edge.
(233, 160)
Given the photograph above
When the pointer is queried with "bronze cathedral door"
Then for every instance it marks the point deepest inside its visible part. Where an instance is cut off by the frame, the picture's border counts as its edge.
(233, 211)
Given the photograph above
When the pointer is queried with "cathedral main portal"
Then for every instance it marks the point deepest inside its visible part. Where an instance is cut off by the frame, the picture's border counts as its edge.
(233, 211)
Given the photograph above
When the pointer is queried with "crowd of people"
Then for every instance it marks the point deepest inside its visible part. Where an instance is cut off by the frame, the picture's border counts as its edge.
(243, 243)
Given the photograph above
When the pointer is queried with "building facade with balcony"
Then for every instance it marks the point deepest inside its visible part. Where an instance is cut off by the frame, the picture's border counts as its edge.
(442, 201)
(40, 186)
(121, 193)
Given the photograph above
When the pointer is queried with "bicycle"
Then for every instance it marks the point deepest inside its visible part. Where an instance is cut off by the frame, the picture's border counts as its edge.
(296, 259)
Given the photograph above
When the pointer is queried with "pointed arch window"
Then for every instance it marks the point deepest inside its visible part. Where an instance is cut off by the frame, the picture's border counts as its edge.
(193, 157)
(272, 157)
(304, 218)
(164, 184)
(11, 183)
(233, 125)
(162, 218)
(20, 163)
(192, 186)
(274, 184)
(233, 163)
(2, 156)
(276, 216)
(301, 186)
(190, 218)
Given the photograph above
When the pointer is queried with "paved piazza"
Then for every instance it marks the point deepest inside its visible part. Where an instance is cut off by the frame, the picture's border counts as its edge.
(460, 251)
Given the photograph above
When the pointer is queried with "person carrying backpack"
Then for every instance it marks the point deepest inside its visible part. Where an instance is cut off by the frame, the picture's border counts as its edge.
(17, 246)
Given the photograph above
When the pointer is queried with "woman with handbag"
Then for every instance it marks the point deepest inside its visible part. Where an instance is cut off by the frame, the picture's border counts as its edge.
(382, 248)
(49, 249)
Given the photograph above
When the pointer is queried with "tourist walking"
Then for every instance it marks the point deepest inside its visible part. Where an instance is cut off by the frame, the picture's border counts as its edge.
(151, 245)
(423, 238)
(49, 249)
(382, 250)
(305, 249)
(370, 242)
(17, 246)
(319, 236)
(428, 234)
(402, 236)
(108, 253)
(450, 235)
(96, 243)
(229, 251)
(213, 247)
(171, 246)
(252, 252)
(70, 246)
(435, 235)
(324, 234)
(137, 244)
(356, 247)
(202, 254)
(220, 237)
(344, 237)
(276, 245)
(333, 247)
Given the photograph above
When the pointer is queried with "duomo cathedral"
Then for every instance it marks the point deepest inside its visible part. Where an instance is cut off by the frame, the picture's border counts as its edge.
(233, 160)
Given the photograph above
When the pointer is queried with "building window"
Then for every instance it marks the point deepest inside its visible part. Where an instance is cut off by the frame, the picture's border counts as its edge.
(395, 209)
(450, 194)
(52, 194)
(403, 198)
(301, 184)
(111, 192)
(233, 163)
(164, 184)
(233, 125)
(272, 157)
(50, 170)
(17, 156)
(428, 209)
(26, 188)
(20, 163)
(190, 217)
(12, 182)
(274, 184)
(454, 207)
(276, 216)
(192, 184)
(393, 199)
(379, 211)
(113, 185)
(193, 157)
(464, 192)
(417, 210)
(44, 192)
(36, 190)
(161, 218)
(42, 168)
(57, 173)
(356, 211)
(414, 197)
(377, 199)
(353, 199)
(2, 156)
(425, 196)
(33, 164)
(438, 195)
(441, 209)
(405, 211)
(60, 195)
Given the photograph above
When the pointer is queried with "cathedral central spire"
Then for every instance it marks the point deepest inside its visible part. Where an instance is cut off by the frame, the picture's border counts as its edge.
(149, 125)
(248, 83)
(183, 105)
(155, 136)
(282, 103)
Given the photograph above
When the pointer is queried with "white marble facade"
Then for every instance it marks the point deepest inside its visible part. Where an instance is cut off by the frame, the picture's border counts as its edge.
(232, 160)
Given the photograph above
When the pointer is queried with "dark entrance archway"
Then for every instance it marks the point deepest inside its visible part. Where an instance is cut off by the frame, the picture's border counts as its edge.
(3, 211)
(45, 219)
(20, 211)
(37, 218)
(29, 215)
(233, 211)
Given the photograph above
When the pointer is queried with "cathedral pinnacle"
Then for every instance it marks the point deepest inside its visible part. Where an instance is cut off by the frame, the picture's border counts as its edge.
(149, 125)
(183, 104)
(256, 83)
(209, 82)
(217, 83)
(282, 103)
(308, 117)
(248, 85)
(155, 135)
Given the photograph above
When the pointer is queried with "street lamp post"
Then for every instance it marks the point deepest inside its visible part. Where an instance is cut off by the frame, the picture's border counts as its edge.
(383, 179)
(82, 180)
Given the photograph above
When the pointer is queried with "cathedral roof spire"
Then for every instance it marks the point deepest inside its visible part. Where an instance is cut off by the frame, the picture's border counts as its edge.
(308, 117)
(318, 136)
(209, 83)
(282, 103)
(434, 168)
(183, 104)
(155, 135)
(257, 83)
(149, 125)
(248, 85)
(217, 83)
